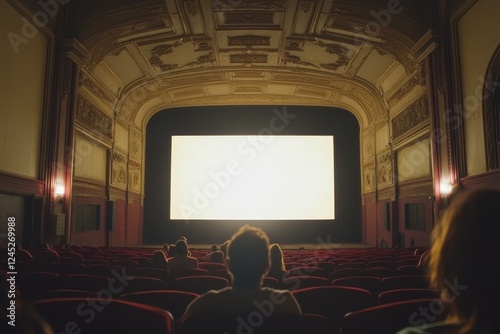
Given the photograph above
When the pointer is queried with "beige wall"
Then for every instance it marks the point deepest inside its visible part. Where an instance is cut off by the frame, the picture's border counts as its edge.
(478, 33)
(90, 160)
(414, 161)
(22, 84)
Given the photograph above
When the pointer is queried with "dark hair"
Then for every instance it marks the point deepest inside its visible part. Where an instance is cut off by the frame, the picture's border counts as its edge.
(181, 247)
(248, 255)
(159, 260)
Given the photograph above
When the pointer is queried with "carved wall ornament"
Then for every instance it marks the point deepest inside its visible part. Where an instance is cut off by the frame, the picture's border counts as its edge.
(338, 50)
(118, 157)
(134, 164)
(418, 79)
(412, 116)
(94, 118)
(249, 41)
(119, 174)
(94, 88)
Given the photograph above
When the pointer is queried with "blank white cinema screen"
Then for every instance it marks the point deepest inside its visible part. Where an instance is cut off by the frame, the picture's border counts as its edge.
(252, 178)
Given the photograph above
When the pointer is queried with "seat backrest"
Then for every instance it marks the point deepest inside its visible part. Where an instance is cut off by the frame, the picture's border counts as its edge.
(370, 283)
(345, 272)
(333, 301)
(85, 282)
(103, 316)
(137, 284)
(200, 284)
(404, 281)
(390, 318)
(176, 302)
(398, 295)
(306, 271)
(301, 282)
(254, 322)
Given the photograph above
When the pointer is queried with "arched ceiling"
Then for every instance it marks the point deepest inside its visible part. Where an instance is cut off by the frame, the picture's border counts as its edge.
(153, 54)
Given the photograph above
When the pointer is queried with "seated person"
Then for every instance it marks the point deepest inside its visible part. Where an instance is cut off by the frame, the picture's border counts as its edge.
(277, 269)
(464, 264)
(215, 255)
(247, 262)
(181, 259)
(159, 260)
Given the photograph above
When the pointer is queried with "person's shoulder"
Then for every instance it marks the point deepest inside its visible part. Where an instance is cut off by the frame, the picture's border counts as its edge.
(439, 327)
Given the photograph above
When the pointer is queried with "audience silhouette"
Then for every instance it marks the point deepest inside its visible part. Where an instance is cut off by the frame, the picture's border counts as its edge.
(277, 269)
(464, 263)
(181, 259)
(247, 262)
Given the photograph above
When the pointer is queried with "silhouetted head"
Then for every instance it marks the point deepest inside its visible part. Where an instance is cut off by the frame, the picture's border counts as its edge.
(214, 248)
(248, 257)
(276, 256)
(159, 259)
(181, 247)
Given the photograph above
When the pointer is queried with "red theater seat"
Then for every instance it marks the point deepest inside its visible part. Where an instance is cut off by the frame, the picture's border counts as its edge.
(333, 302)
(255, 323)
(200, 284)
(390, 318)
(109, 316)
(173, 301)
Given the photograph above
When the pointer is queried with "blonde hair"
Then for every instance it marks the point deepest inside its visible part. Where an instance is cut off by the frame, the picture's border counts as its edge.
(464, 259)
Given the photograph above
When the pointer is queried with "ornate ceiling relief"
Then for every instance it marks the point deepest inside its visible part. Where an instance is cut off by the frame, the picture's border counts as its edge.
(288, 58)
(412, 116)
(92, 117)
(248, 58)
(248, 4)
(249, 41)
(156, 57)
(338, 50)
(249, 18)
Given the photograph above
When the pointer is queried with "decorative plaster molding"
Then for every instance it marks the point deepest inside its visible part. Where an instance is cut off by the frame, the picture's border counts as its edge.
(415, 114)
(94, 118)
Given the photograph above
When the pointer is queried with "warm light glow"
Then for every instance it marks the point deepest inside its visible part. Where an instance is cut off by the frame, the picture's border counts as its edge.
(59, 190)
(252, 177)
(445, 188)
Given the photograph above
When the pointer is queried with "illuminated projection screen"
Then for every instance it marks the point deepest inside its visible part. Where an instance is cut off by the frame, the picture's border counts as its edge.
(252, 178)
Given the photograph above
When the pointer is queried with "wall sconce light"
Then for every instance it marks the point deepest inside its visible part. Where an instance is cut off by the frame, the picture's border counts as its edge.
(59, 192)
(445, 188)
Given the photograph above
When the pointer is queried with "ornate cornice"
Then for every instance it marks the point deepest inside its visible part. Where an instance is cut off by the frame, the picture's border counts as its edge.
(93, 118)
(415, 114)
